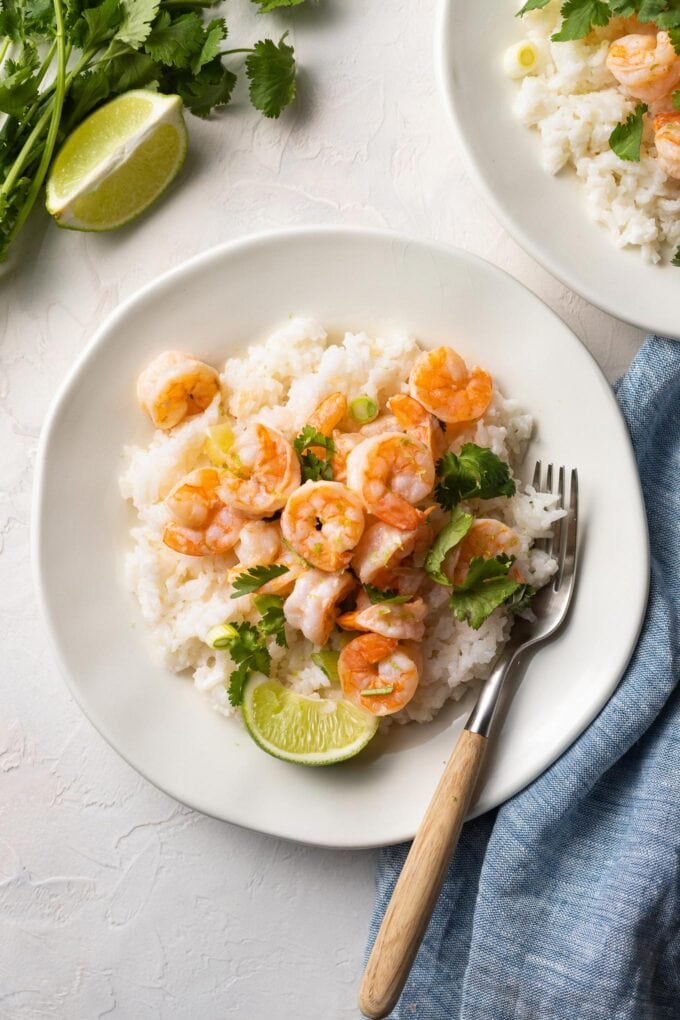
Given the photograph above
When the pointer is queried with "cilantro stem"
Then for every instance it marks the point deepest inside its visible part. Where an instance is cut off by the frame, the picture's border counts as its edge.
(53, 118)
(229, 53)
(3, 48)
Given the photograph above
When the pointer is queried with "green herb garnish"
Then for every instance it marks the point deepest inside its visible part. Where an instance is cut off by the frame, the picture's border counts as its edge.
(376, 692)
(486, 587)
(248, 648)
(255, 577)
(313, 467)
(626, 138)
(272, 622)
(447, 539)
(474, 473)
(363, 409)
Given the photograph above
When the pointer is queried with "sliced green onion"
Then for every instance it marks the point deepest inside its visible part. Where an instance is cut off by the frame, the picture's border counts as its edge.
(221, 636)
(375, 692)
(363, 409)
(328, 663)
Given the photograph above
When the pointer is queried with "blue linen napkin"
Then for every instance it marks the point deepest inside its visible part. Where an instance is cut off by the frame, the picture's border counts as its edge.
(564, 904)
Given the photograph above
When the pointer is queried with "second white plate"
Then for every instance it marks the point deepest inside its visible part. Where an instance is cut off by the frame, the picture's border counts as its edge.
(546, 215)
(215, 305)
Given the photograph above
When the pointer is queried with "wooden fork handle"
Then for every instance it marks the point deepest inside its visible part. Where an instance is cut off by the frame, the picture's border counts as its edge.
(417, 888)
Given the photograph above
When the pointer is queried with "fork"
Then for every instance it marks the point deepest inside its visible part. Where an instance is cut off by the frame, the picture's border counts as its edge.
(417, 888)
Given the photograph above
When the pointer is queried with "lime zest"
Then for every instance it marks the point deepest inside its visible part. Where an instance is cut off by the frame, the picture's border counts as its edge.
(376, 692)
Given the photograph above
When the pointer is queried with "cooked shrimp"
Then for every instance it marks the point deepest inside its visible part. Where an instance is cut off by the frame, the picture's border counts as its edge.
(486, 538)
(329, 413)
(323, 522)
(441, 382)
(202, 525)
(175, 386)
(262, 470)
(374, 663)
(383, 423)
(259, 543)
(382, 546)
(646, 66)
(404, 621)
(667, 141)
(312, 607)
(284, 583)
(391, 472)
(344, 443)
(418, 422)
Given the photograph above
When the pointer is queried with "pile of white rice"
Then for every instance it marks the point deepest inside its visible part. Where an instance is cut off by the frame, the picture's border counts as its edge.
(280, 383)
(575, 103)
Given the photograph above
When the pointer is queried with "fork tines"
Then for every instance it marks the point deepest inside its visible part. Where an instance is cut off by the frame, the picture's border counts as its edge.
(562, 543)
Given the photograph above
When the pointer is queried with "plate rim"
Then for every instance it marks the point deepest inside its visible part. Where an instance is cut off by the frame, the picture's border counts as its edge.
(477, 174)
(99, 338)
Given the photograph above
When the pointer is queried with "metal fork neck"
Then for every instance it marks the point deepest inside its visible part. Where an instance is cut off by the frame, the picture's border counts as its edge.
(481, 717)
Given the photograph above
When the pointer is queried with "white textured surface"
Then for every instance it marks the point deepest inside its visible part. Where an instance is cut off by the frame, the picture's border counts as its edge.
(113, 899)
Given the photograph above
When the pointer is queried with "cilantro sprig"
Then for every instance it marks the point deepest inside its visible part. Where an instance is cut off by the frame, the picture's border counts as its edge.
(61, 59)
(313, 467)
(247, 643)
(626, 138)
(487, 586)
(255, 577)
(474, 473)
(579, 17)
(272, 622)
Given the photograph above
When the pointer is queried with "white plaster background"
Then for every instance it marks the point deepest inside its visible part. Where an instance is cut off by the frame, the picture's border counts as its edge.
(114, 900)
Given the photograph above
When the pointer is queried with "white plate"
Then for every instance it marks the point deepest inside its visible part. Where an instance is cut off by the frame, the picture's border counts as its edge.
(213, 306)
(546, 215)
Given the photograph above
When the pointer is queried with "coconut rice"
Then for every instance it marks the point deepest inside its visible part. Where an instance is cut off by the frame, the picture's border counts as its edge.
(574, 102)
(279, 383)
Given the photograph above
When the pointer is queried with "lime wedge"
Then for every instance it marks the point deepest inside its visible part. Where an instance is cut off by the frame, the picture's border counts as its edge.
(308, 731)
(117, 162)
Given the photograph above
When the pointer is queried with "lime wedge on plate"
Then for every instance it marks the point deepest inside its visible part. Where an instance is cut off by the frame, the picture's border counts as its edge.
(308, 731)
(117, 161)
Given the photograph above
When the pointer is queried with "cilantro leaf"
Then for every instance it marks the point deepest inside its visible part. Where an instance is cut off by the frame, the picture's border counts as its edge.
(486, 587)
(313, 467)
(378, 595)
(626, 138)
(273, 620)
(579, 16)
(674, 34)
(271, 71)
(532, 5)
(248, 650)
(18, 89)
(138, 16)
(176, 41)
(98, 24)
(203, 92)
(253, 578)
(675, 261)
(215, 33)
(521, 599)
(447, 539)
(475, 473)
(266, 6)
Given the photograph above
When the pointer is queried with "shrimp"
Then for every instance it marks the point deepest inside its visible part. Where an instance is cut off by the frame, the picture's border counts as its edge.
(418, 422)
(486, 538)
(646, 66)
(343, 443)
(202, 525)
(441, 382)
(262, 471)
(312, 606)
(404, 621)
(667, 141)
(175, 386)
(391, 472)
(259, 543)
(323, 522)
(381, 547)
(329, 413)
(376, 663)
